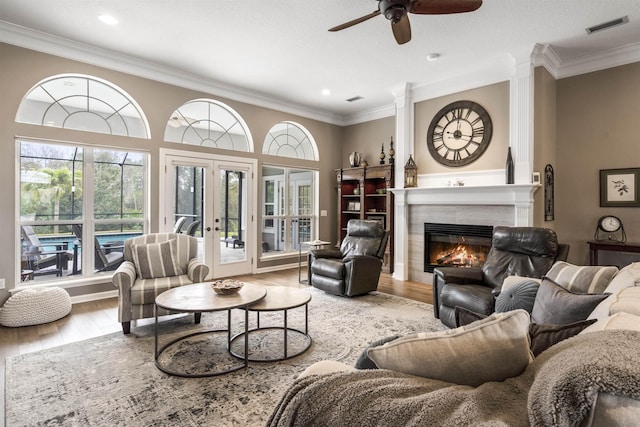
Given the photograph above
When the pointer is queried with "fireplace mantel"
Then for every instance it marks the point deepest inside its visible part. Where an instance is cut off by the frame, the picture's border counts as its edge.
(515, 201)
(512, 194)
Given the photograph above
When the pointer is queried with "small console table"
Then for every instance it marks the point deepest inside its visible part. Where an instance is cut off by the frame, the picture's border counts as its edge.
(608, 245)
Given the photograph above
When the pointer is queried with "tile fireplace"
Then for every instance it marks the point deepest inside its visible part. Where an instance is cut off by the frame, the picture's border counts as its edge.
(455, 245)
(489, 205)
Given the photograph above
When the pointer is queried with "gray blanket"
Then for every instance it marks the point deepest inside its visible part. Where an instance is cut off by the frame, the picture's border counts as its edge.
(557, 389)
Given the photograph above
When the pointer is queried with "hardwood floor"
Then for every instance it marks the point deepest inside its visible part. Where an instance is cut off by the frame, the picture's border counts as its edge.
(96, 318)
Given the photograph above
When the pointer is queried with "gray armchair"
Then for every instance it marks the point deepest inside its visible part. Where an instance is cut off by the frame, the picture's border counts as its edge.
(355, 268)
(519, 251)
(138, 285)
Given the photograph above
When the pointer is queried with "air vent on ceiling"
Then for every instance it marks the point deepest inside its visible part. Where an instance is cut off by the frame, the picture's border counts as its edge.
(607, 25)
(355, 98)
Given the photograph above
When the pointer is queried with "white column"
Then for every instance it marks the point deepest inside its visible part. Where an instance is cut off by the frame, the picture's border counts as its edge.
(521, 117)
(404, 147)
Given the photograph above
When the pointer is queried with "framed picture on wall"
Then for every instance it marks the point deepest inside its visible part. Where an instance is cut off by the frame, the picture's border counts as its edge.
(619, 187)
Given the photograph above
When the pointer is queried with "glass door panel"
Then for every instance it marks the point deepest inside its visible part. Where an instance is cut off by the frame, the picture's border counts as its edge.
(231, 225)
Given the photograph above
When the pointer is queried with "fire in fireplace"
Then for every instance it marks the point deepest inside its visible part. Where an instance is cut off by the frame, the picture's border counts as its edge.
(455, 245)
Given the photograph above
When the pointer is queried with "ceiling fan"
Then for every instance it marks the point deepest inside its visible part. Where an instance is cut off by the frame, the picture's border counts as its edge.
(397, 12)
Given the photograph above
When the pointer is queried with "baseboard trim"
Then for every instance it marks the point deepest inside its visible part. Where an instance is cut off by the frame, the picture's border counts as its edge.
(94, 296)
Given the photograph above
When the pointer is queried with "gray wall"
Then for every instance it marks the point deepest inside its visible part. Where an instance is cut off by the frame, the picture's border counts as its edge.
(582, 124)
(22, 69)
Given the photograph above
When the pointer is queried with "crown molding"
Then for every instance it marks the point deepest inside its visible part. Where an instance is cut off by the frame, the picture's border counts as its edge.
(370, 114)
(81, 52)
(546, 56)
(493, 71)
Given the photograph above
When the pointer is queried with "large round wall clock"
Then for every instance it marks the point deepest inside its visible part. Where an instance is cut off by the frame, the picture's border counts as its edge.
(459, 133)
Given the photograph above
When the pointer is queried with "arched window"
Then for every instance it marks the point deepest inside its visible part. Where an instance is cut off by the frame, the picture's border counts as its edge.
(80, 102)
(208, 123)
(289, 139)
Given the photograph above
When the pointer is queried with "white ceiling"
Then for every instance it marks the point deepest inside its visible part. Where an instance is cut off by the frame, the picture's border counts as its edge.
(281, 50)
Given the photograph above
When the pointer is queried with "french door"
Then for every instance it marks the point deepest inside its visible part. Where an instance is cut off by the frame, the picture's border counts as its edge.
(218, 191)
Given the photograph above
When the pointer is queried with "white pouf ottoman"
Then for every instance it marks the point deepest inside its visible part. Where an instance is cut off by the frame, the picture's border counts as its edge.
(35, 306)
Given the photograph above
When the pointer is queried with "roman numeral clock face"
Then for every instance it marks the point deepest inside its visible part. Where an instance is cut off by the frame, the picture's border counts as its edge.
(459, 133)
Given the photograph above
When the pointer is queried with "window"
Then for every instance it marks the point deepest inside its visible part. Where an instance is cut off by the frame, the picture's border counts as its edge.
(73, 101)
(289, 216)
(77, 206)
(208, 123)
(288, 139)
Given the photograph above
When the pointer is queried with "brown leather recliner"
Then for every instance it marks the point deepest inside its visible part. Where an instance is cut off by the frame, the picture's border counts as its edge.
(355, 268)
(519, 251)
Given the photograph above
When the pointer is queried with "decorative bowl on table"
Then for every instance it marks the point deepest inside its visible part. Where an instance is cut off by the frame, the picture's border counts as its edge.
(226, 287)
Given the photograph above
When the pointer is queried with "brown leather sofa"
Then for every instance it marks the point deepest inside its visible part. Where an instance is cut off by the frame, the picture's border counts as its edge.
(519, 251)
(355, 268)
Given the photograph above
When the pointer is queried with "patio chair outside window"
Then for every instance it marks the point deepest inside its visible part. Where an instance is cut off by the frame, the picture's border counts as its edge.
(108, 257)
(39, 259)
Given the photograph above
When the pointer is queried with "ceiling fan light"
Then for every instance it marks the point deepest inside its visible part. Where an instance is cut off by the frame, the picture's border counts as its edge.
(395, 13)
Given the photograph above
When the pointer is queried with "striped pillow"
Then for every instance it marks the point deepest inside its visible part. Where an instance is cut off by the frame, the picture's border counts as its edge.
(582, 279)
(155, 260)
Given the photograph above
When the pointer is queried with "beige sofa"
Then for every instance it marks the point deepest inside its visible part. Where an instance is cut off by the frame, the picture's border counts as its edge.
(482, 374)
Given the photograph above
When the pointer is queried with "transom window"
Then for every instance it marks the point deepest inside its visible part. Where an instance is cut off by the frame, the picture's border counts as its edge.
(208, 123)
(87, 103)
(289, 139)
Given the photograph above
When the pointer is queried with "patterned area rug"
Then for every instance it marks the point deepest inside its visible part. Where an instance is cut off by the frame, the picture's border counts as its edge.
(112, 380)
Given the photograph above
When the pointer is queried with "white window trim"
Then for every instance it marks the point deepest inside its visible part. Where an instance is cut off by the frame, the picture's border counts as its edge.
(88, 190)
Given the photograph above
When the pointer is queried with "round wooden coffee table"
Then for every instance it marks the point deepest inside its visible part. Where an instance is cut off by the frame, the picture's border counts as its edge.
(279, 298)
(201, 298)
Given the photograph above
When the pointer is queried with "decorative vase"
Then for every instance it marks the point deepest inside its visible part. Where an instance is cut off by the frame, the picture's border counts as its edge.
(509, 168)
(354, 159)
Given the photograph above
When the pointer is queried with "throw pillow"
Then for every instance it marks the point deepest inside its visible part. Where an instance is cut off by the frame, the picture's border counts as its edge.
(541, 336)
(582, 279)
(510, 281)
(544, 336)
(492, 349)
(557, 306)
(364, 362)
(615, 321)
(520, 295)
(155, 260)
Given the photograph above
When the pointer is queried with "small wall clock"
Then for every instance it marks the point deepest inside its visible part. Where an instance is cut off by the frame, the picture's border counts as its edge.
(459, 133)
(611, 225)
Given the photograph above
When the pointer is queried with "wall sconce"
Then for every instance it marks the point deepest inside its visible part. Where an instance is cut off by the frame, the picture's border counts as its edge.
(410, 173)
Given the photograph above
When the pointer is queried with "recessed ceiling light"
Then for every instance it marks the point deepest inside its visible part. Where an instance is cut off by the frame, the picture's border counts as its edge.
(433, 56)
(326, 92)
(108, 19)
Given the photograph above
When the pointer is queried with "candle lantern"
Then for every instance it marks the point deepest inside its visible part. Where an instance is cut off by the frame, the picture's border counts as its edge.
(410, 173)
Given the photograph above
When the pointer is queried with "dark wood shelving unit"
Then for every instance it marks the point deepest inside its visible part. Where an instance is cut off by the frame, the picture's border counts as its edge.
(363, 193)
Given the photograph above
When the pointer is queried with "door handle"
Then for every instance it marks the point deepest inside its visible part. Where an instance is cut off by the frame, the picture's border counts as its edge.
(217, 228)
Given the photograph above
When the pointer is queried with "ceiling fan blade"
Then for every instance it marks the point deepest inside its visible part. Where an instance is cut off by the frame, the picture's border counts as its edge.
(441, 7)
(355, 21)
(402, 30)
